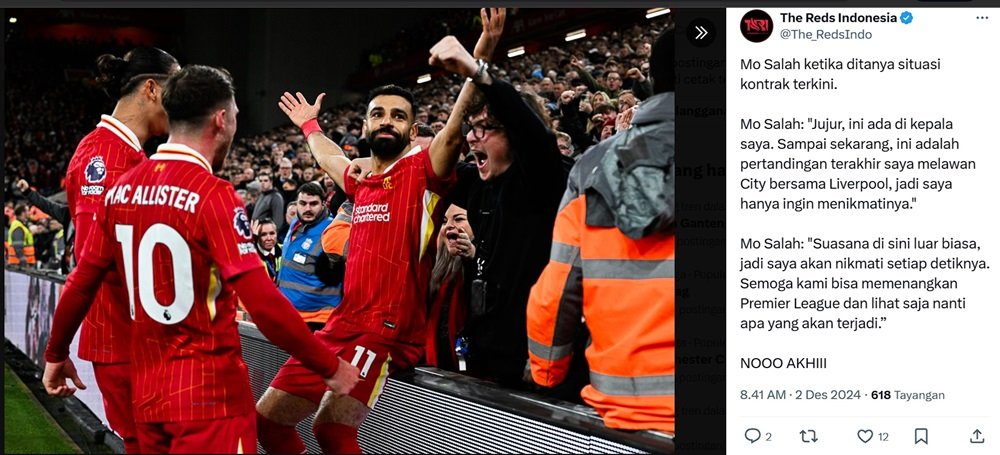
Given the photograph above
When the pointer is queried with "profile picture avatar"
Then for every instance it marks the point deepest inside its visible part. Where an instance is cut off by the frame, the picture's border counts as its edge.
(756, 26)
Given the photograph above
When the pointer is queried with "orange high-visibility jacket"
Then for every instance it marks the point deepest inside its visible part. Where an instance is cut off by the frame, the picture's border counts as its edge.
(17, 249)
(621, 279)
(335, 235)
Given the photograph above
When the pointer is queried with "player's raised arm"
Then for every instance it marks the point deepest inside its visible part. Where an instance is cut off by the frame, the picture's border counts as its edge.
(304, 115)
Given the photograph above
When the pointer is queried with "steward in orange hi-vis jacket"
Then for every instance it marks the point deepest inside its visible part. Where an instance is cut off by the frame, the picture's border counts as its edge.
(613, 261)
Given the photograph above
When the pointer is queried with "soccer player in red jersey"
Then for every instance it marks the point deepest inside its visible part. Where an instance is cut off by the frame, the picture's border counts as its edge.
(381, 320)
(183, 243)
(115, 146)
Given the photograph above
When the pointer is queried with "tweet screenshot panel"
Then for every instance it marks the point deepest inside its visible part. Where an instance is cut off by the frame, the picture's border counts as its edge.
(862, 236)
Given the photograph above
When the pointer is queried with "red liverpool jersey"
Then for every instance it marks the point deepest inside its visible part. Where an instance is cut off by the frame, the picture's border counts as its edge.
(392, 246)
(100, 159)
(176, 232)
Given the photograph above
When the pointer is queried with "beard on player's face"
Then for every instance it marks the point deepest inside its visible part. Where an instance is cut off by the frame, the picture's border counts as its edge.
(386, 142)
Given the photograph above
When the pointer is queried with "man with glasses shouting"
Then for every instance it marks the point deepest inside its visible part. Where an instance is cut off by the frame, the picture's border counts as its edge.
(513, 205)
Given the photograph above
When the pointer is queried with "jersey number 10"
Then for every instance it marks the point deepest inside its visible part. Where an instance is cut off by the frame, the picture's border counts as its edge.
(142, 270)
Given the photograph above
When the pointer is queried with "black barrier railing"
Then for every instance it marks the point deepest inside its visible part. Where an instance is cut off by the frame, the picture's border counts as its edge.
(423, 411)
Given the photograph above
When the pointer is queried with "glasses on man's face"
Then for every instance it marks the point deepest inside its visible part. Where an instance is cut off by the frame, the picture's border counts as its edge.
(614, 78)
(480, 131)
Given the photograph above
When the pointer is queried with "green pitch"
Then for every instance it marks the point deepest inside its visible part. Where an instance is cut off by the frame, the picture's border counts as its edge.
(27, 426)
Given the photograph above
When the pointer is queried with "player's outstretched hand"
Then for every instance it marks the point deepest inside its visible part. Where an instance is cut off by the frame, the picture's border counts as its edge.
(453, 57)
(22, 185)
(55, 376)
(346, 377)
(298, 109)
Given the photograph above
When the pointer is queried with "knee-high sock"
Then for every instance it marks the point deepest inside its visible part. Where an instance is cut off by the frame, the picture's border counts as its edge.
(337, 438)
(277, 438)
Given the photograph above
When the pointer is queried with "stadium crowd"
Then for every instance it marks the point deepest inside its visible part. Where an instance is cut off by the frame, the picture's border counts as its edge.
(584, 92)
(49, 109)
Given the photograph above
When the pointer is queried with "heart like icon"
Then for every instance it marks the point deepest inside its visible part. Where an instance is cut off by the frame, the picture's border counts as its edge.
(865, 435)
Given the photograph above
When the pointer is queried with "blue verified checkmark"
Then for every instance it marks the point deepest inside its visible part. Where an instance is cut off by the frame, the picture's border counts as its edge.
(906, 17)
